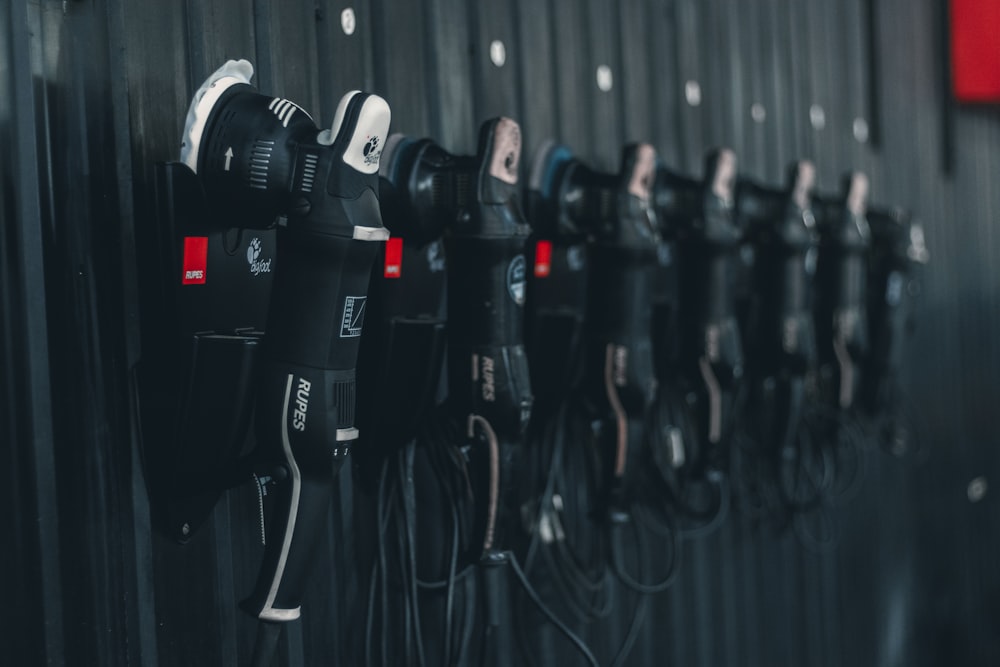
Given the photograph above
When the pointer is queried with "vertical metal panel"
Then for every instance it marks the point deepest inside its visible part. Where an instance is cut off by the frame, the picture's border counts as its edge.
(93, 94)
(35, 556)
(135, 540)
(688, 35)
(753, 148)
(774, 78)
(728, 612)
(702, 574)
(748, 593)
(712, 56)
(454, 122)
(399, 31)
(792, 22)
(633, 85)
(537, 73)
(723, 53)
(602, 82)
(492, 40)
(666, 84)
(217, 32)
(344, 52)
(572, 75)
(857, 65)
(286, 40)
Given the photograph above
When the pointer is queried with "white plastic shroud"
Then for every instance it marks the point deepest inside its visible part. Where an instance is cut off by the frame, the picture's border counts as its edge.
(365, 146)
(230, 74)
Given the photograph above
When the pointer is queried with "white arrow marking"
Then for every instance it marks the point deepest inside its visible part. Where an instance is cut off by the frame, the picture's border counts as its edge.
(229, 157)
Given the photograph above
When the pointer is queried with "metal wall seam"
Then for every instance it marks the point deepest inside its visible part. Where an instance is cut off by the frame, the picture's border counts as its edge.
(38, 413)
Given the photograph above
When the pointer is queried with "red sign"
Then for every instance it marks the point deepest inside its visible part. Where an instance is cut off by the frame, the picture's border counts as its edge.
(195, 263)
(975, 50)
(393, 257)
(543, 259)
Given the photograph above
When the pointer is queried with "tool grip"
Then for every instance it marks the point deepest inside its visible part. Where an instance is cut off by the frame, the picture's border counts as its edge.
(298, 428)
(305, 419)
(487, 366)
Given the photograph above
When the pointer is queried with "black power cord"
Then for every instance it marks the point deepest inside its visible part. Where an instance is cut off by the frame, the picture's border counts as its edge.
(397, 512)
(617, 561)
(576, 587)
(391, 490)
(543, 608)
(675, 486)
(548, 535)
(410, 503)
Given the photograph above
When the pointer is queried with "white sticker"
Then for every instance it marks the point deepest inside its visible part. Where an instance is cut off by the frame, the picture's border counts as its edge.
(354, 316)
(365, 148)
(515, 279)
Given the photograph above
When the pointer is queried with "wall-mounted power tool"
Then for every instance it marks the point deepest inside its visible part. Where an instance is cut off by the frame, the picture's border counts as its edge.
(781, 345)
(613, 210)
(402, 352)
(841, 289)
(208, 276)
(896, 259)
(703, 213)
(594, 499)
(261, 161)
(466, 452)
(557, 284)
(472, 201)
(701, 354)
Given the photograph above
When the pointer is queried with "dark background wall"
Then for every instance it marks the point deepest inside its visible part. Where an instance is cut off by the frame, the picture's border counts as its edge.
(93, 93)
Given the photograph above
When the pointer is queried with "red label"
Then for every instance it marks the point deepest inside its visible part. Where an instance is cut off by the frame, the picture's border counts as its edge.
(975, 50)
(543, 259)
(393, 257)
(195, 260)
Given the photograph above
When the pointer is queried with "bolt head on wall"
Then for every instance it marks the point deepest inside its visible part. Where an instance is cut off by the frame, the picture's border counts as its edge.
(348, 21)
(498, 53)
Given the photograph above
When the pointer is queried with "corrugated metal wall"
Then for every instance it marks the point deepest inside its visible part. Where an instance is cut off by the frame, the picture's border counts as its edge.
(93, 93)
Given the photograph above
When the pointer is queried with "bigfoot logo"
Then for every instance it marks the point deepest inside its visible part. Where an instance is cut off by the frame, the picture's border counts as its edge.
(257, 265)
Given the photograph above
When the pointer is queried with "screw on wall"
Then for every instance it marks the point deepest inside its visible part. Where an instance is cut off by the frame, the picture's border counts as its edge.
(498, 53)
(817, 116)
(692, 93)
(348, 21)
(861, 130)
(604, 78)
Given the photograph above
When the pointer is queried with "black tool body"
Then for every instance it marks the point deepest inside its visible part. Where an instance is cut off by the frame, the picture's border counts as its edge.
(259, 157)
(613, 210)
(841, 290)
(896, 260)
(782, 364)
(710, 347)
